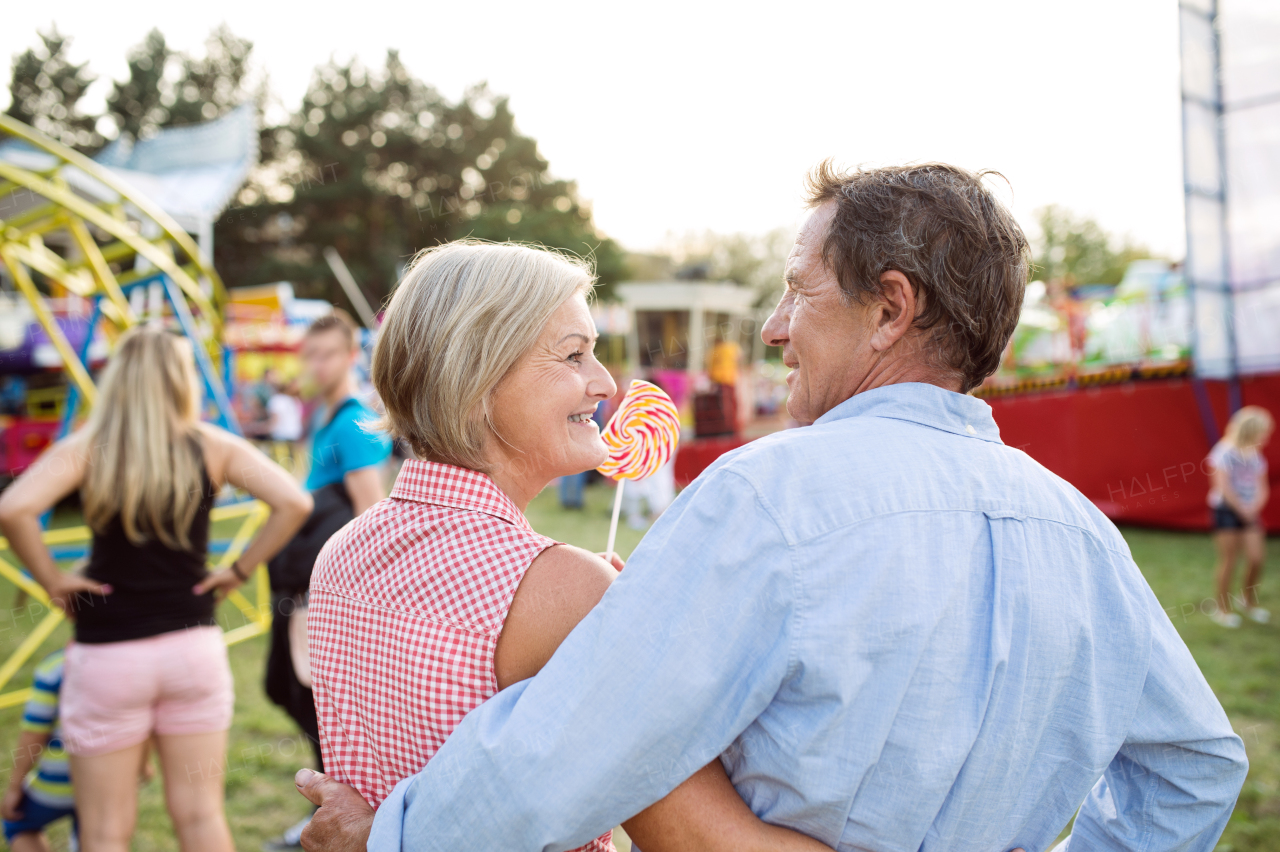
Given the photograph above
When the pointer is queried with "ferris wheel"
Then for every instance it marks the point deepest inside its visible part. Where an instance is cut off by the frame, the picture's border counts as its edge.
(70, 227)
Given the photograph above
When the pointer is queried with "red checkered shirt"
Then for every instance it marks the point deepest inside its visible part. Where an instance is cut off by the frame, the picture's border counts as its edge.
(406, 606)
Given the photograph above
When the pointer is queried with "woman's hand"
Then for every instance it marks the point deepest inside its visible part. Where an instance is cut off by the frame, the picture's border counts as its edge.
(1255, 508)
(54, 475)
(221, 582)
(64, 587)
(613, 559)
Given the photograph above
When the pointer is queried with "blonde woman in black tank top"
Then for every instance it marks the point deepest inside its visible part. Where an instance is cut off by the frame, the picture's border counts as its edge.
(148, 658)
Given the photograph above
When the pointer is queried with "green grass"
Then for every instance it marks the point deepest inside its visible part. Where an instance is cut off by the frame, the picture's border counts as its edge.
(1242, 666)
(586, 527)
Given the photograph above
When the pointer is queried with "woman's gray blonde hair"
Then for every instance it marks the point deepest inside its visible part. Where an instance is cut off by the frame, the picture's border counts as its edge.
(463, 314)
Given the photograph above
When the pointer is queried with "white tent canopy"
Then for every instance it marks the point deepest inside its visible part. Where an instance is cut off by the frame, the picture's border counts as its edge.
(192, 172)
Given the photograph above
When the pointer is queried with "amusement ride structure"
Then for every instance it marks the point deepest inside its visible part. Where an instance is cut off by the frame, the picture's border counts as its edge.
(91, 256)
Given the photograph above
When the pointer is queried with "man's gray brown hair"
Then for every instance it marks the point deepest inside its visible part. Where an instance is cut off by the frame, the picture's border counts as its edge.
(965, 256)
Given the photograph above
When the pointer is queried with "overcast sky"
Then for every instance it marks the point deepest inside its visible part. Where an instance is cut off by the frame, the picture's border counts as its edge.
(673, 117)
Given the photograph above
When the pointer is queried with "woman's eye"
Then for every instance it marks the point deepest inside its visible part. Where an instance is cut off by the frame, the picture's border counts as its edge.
(576, 357)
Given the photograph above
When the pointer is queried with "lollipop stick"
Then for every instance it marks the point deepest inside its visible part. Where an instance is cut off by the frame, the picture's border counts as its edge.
(613, 525)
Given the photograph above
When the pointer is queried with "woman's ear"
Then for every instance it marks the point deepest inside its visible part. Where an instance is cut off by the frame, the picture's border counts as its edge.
(897, 310)
(491, 432)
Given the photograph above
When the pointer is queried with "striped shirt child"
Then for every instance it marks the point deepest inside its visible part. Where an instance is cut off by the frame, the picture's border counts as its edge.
(49, 781)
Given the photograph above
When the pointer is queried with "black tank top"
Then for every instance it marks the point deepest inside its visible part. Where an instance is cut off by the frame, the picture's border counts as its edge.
(150, 583)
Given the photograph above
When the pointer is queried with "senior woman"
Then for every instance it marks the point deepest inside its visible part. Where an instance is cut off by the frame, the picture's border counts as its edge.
(437, 597)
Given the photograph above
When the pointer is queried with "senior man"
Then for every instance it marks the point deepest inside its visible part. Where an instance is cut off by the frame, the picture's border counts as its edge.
(896, 632)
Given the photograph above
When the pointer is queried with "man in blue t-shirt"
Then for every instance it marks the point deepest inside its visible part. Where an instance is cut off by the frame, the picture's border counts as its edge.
(346, 477)
(343, 447)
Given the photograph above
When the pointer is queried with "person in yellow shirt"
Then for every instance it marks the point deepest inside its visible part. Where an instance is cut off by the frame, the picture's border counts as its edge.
(725, 356)
(721, 412)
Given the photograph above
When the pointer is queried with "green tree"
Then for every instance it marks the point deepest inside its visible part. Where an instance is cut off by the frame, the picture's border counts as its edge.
(378, 165)
(752, 260)
(137, 105)
(375, 163)
(213, 84)
(203, 88)
(1077, 249)
(45, 89)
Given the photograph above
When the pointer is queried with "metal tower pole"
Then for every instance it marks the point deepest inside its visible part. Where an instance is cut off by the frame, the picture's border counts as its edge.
(1207, 13)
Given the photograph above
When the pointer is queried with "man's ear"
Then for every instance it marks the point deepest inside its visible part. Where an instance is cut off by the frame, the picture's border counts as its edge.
(897, 310)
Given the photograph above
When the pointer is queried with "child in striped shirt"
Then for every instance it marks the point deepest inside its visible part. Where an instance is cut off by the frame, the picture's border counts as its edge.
(40, 787)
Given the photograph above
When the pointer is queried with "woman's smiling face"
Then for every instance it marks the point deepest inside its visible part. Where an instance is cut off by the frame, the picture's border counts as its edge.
(540, 413)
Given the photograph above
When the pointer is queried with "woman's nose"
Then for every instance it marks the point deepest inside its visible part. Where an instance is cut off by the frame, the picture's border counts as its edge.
(602, 384)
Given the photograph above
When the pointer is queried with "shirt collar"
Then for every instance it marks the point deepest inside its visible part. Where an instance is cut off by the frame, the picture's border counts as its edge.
(325, 416)
(928, 405)
(455, 487)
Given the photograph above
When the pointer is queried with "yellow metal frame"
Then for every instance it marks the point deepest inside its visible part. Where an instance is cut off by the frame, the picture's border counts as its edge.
(23, 248)
(257, 612)
(170, 229)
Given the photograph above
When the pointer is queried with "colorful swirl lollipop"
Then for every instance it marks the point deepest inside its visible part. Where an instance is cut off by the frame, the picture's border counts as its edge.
(642, 434)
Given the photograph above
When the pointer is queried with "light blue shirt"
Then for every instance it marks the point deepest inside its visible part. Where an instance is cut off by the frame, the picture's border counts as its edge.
(896, 632)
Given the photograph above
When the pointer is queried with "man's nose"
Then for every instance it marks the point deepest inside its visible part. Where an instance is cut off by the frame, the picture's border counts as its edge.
(774, 330)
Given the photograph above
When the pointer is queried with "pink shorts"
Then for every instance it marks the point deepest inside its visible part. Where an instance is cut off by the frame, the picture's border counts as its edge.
(117, 694)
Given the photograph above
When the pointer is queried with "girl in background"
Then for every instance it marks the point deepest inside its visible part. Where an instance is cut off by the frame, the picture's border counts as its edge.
(148, 657)
(1238, 492)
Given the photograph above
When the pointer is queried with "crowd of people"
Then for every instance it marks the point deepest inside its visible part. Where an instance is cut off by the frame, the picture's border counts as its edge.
(274, 409)
(147, 667)
(884, 630)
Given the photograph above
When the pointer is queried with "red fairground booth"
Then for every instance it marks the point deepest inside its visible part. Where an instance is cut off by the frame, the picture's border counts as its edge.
(1137, 449)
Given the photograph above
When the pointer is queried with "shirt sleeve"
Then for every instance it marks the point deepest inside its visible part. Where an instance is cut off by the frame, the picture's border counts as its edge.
(686, 649)
(1174, 782)
(1216, 455)
(357, 445)
(41, 710)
